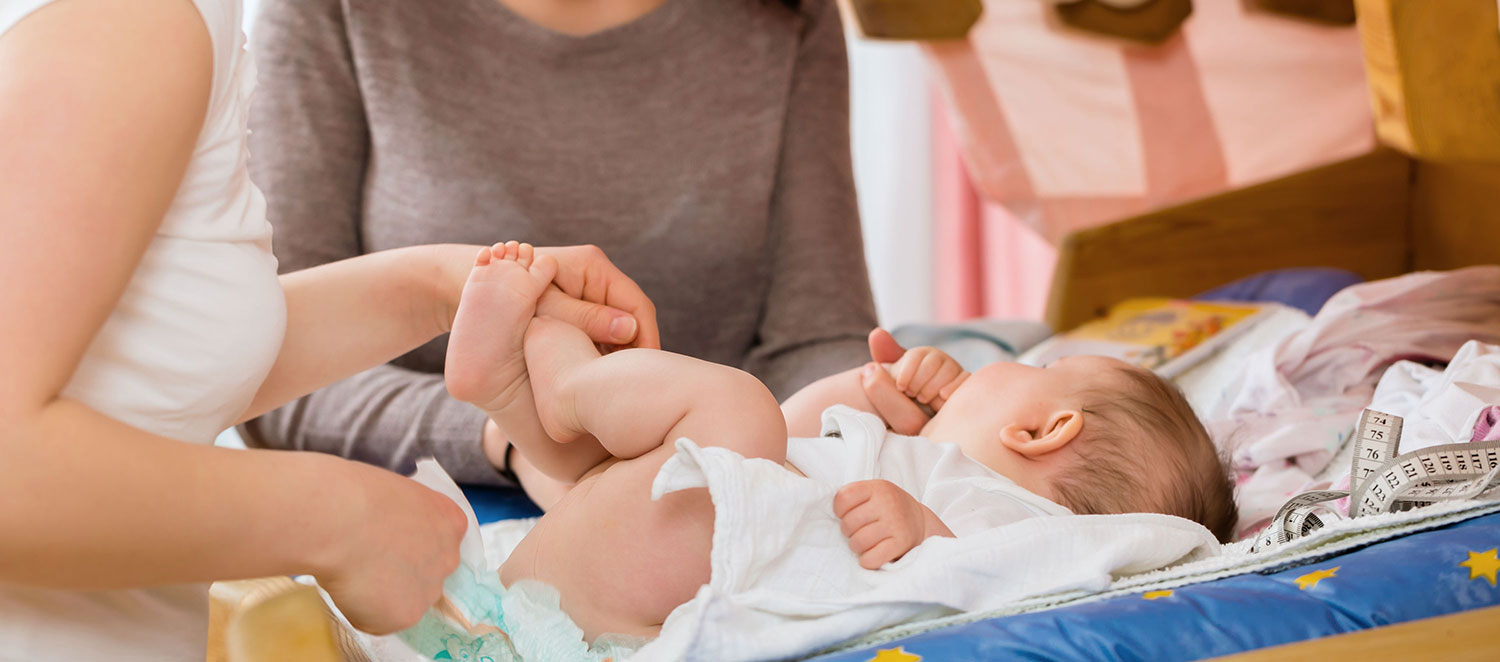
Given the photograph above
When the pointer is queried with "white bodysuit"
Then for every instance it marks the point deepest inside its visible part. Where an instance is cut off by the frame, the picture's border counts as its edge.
(781, 568)
(182, 354)
(968, 496)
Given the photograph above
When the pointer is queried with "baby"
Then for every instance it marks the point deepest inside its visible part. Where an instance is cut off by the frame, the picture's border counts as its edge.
(1092, 434)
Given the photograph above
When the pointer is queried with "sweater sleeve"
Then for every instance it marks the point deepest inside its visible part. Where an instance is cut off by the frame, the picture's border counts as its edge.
(309, 149)
(819, 307)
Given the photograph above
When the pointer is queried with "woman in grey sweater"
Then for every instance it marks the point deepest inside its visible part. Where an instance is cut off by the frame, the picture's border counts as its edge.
(702, 144)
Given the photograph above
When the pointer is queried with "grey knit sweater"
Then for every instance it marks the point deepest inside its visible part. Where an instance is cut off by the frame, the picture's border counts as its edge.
(704, 147)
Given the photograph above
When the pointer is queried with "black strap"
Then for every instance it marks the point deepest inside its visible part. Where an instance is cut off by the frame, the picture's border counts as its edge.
(507, 472)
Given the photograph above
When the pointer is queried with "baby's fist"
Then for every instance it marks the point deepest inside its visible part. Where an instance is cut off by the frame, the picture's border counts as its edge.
(928, 375)
(882, 521)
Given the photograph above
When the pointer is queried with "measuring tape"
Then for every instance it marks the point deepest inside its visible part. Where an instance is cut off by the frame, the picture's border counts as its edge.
(1382, 481)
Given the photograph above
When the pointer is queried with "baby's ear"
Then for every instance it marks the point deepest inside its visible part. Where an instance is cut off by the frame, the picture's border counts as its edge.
(1060, 429)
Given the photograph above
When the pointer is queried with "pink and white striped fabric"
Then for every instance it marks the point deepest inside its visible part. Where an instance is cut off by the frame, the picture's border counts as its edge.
(1067, 129)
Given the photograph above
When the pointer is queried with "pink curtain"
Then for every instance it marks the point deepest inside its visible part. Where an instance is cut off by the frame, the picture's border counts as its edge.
(987, 262)
(1067, 131)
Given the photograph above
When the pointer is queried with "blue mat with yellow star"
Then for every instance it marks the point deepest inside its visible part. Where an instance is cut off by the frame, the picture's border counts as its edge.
(1431, 573)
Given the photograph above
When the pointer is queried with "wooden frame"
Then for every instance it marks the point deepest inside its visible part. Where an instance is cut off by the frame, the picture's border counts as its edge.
(1460, 637)
(1378, 215)
(1351, 215)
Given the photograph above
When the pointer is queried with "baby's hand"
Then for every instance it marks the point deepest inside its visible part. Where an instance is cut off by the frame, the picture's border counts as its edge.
(883, 522)
(928, 375)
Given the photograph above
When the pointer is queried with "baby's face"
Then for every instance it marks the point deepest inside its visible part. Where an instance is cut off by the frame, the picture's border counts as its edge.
(1010, 399)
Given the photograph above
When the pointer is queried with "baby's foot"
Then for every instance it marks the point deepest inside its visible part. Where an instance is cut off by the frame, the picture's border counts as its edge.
(554, 349)
(485, 364)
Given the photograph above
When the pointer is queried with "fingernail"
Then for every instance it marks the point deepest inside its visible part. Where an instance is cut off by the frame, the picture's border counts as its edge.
(622, 330)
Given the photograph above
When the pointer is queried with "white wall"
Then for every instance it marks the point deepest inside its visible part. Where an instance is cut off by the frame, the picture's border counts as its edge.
(892, 134)
(251, 6)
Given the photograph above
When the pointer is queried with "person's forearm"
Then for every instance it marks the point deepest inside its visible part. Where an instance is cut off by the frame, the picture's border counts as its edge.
(804, 410)
(93, 503)
(389, 416)
(354, 314)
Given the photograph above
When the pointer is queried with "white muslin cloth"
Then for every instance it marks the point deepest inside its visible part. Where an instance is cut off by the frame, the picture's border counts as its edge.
(784, 582)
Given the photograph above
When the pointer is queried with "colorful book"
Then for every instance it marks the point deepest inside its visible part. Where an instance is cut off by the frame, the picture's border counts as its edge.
(1165, 335)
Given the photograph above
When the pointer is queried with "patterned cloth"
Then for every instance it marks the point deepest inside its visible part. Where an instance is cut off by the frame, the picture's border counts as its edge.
(1069, 129)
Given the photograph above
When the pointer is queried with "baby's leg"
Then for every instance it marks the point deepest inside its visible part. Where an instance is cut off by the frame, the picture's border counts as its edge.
(485, 365)
(635, 400)
(619, 560)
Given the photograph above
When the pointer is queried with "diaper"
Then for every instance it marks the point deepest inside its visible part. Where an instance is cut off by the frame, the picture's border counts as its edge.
(524, 622)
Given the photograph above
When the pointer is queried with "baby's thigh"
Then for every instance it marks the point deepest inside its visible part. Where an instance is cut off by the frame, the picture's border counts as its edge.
(620, 561)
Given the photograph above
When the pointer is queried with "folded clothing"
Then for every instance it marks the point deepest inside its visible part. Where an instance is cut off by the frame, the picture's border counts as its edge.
(1294, 402)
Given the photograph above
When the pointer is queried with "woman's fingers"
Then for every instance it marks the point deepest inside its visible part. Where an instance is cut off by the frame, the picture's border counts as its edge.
(900, 412)
(603, 324)
(585, 273)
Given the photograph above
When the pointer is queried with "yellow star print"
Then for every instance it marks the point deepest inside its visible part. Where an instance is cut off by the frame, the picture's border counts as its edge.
(1153, 595)
(1311, 579)
(1483, 564)
(897, 654)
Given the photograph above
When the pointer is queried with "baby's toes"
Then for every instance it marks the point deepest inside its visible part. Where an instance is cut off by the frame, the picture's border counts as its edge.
(524, 254)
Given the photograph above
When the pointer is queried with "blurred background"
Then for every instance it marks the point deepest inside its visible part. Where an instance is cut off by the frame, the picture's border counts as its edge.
(1075, 128)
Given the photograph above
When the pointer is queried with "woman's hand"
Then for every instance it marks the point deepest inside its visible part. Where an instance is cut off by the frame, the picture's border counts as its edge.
(400, 543)
(589, 292)
(595, 293)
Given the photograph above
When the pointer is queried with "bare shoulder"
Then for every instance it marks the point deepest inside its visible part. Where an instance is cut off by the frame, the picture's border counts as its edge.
(84, 79)
(156, 46)
(101, 104)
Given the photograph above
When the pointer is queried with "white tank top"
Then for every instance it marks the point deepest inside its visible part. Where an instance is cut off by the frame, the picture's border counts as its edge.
(182, 354)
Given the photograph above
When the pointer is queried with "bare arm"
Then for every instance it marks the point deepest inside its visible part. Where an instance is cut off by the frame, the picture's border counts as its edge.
(93, 154)
(310, 146)
(354, 314)
(98, 126)
(804, 410)
(894, 386)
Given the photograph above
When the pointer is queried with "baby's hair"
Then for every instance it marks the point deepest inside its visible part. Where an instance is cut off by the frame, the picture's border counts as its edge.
(1126, 432)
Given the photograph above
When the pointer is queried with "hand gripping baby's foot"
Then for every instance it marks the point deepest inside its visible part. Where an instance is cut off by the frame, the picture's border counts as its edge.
(485, 364)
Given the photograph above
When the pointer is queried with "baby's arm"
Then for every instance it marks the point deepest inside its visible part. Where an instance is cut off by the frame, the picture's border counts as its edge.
(883, 522)
(804, 410)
